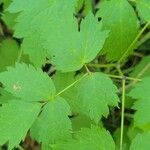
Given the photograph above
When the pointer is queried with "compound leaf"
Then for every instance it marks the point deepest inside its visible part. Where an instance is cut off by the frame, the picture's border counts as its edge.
(72, 50)
(34, 18)
(92, 95)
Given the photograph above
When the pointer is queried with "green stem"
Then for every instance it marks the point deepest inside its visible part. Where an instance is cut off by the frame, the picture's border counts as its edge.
(138, 54)
(144, 38)
(122, 113)
(133, 43)
(68, 87)
(121, 77)
(87, 69)
(119, 70)
(101, 65)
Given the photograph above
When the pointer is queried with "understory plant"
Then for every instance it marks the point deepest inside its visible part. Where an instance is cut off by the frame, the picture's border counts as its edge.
(75, 74)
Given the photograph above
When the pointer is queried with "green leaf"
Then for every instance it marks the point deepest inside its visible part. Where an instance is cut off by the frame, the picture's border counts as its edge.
(81, 48)
(51, 22)
(53, 124)
(16, 118)
(6, 3)
(80, 121)
(23, 28)
(143, 67)
(28, 83)
(92, 95)
(132, 132)
(142, 116)
(123, 29)
(8, 47)
(141, 89)
(141, 142)
(95, 138)
(143, 7)
(141, 92)
(43, 12)
(28, 11)
(32, 84)
(32, 46)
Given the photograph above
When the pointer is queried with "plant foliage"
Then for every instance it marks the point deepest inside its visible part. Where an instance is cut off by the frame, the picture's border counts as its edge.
(75, 74)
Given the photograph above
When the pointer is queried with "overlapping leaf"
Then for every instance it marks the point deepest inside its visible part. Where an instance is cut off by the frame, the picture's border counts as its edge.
(15, 120)
(5, 96)
(142, 69)
(8, 18)
(33, 20)
(92, 95)
(8, 47)
(95, 138)
(141, 142)
(143, 7)
(52, 124)
(33, 86)
(123, 29)
(28, 83)
(24, 28)
(72, 50)
(28, 11)
(141, 92)
(80, 47)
